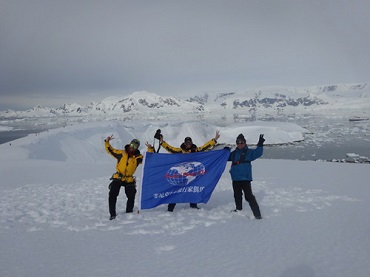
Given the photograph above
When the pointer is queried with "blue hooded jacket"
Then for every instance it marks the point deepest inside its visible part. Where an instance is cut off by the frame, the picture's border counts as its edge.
(242, 171)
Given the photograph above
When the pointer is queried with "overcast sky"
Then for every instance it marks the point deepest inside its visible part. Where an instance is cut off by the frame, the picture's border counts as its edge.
(54, 52)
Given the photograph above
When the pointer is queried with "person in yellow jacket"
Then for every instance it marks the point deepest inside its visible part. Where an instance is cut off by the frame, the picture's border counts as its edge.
(127, 162)
(186, 147)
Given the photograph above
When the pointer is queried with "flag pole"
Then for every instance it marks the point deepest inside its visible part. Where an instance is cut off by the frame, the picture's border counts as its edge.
(141, 182)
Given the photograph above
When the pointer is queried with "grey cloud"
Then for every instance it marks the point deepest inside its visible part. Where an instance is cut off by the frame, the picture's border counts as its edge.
(175, 46)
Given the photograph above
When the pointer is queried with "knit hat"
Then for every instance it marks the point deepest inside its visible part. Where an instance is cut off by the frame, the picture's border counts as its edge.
(188, 140)
(240, 138)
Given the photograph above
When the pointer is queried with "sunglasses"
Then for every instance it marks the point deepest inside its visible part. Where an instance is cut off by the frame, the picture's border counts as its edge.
(133, 145)
(240, 142)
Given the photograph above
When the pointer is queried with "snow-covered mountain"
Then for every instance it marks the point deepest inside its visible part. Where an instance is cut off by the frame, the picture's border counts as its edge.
(269, 100)
(137, 103)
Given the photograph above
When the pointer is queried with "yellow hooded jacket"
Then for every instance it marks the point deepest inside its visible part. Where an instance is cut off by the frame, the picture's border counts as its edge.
(126, 165)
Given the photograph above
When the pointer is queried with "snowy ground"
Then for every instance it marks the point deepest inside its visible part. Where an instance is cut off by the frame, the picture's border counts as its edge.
(54, 214)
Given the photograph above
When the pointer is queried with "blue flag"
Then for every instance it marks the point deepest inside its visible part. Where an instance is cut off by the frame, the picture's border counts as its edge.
(180, 178)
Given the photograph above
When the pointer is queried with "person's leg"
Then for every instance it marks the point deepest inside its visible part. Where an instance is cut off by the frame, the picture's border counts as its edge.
(114, 189)
(130, 191)
(238, 195)
(251, 199)
(171, 207)
(194, 206)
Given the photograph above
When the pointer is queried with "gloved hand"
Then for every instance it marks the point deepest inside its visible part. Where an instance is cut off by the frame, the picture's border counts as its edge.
(261, 140)
(109, 138)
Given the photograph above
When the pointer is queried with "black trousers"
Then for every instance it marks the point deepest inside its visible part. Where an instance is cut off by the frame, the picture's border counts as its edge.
(245, 186)
(171, 206)
(130, 191)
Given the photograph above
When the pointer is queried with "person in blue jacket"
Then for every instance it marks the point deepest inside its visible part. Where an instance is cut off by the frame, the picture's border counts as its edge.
(241, 173)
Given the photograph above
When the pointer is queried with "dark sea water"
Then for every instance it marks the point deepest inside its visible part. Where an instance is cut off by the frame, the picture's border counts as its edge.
(8, 136)
(326, 151)
(328, 139)
(24, 127)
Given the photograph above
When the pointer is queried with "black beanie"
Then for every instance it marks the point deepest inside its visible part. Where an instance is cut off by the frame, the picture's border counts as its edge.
(240, 137)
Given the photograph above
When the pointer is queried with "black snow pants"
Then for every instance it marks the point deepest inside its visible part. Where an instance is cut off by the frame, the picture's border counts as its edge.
(130, 191)
(245, 186)
(171, 206)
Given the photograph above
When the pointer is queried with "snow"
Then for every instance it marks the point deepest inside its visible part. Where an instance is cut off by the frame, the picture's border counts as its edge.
(54, 218)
